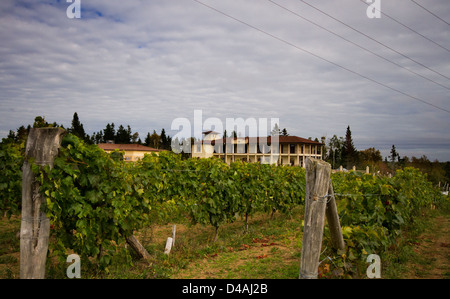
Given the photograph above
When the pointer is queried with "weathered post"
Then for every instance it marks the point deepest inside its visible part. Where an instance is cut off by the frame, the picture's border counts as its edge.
(317, 183)
(334, 224)
(42, 147)
(174, 230)
(138, 248)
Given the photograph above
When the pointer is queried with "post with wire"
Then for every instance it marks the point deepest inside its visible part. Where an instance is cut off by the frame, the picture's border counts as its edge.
(319, 201)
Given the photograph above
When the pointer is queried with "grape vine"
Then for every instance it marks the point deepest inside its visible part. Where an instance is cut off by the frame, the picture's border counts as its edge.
(96, 200)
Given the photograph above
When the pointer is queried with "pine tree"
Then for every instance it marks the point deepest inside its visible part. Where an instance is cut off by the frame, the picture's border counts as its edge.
(123, 136)
(77, 127)
(109, 133)
(165, 140)
(147, 139)
(349, 153)
(276, 130)
(394, 155)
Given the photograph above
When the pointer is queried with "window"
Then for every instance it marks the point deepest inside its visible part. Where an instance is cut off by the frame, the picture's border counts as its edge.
(292, 148)
(199, 148)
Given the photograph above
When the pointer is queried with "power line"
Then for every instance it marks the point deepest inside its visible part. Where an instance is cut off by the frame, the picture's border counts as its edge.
(355, 44)
(430, 12)
(407, 27)
(319, 57)
(373, 39)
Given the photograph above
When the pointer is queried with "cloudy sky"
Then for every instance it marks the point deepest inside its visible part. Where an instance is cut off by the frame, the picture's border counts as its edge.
(318, 66)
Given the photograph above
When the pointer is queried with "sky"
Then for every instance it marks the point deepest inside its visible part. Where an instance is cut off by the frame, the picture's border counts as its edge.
(317, 66)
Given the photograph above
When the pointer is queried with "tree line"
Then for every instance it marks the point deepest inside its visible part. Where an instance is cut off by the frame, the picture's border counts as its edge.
(110, 134)
(338, 150)
(341, 151)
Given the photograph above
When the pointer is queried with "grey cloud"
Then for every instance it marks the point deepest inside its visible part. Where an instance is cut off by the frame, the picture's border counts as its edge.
(145, 63)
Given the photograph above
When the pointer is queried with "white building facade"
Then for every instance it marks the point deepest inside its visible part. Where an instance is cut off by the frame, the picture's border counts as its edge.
(280, 150)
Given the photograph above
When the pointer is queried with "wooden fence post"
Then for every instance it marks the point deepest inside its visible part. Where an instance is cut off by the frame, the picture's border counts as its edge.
(319, 196)
(137, 247)
(42, 146)
(337, 239)
(174, 230)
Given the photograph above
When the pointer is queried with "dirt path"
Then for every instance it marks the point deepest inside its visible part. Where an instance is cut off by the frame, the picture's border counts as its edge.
(432, 252)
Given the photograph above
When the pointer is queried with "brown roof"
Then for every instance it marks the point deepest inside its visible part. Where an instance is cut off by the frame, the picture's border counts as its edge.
(281, 140)
(126, 147)
(296, 139)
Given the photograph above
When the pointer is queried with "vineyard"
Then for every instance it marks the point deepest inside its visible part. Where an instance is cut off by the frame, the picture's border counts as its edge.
(95, 200)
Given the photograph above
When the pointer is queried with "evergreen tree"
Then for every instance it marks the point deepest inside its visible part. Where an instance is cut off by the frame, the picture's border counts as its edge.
(77, 127)
(129, 134)
(275, 131)
(97, 137)
(394, 155)
(109, 133)
(349, 153)
(147, 140)
(284, 132)
(123, 136)
(22, 134)
(11, 138)
(165, 140)
(39, 122)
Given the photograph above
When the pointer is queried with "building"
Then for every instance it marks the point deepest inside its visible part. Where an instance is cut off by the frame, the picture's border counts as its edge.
(288, 150)
(132, 152)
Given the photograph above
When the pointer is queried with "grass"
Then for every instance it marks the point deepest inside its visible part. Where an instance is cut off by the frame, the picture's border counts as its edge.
(9, 247)
(236, 254)
(423, 248)
(270, 249)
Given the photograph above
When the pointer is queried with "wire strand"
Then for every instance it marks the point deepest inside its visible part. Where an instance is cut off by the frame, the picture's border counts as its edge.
(436, 16)
(357, 45)
(373, 39)
(409, 28)
(322, 58)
